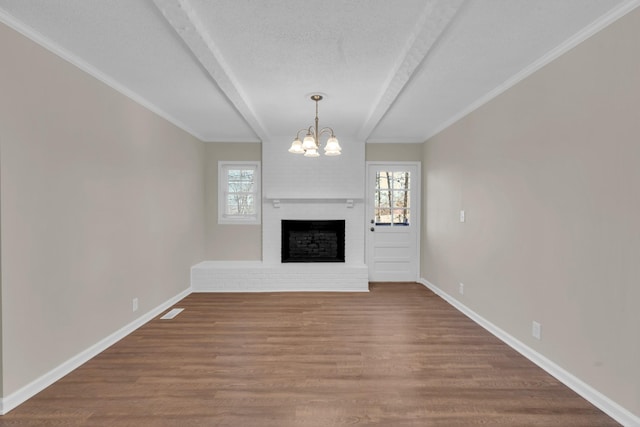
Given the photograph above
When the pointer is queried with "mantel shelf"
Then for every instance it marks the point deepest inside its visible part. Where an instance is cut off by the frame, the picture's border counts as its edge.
(320, 198)
(348, 200)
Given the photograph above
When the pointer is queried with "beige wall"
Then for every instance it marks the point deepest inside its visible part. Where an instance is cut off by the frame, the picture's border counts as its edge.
(229, 241)
(102, 201)
(1, 340)
(393, 152)
(548, 174)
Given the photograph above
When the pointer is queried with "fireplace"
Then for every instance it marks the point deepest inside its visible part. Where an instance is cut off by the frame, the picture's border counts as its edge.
(312, 240)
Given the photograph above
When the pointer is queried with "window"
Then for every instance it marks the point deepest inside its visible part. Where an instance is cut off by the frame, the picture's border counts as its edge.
(391, 202)
(238, 192)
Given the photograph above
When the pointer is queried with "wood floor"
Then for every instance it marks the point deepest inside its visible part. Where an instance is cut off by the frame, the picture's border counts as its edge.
(397, 356)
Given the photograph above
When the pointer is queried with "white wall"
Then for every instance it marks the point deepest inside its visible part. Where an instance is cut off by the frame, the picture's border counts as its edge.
(293, 175)
(548, 174)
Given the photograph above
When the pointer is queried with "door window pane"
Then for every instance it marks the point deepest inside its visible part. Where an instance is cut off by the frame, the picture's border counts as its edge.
(383, 199)
(401, 216)
(392, 198)
(400, 199)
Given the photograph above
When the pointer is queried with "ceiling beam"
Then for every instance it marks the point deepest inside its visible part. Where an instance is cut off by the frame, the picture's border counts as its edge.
(185, 21)
(439, 15)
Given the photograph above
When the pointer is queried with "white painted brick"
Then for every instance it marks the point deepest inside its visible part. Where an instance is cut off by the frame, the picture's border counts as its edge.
(229, 277)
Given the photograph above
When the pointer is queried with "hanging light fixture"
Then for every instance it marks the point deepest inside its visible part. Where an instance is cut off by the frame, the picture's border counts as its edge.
(310, 145)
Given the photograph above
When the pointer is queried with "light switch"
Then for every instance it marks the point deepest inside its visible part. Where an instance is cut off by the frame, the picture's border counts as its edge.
(461, 216)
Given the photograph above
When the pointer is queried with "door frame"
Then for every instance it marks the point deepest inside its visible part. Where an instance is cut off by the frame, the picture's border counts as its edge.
(368, 206)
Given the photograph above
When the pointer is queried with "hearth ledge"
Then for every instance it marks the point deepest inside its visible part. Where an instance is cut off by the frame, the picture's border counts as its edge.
(256, 276)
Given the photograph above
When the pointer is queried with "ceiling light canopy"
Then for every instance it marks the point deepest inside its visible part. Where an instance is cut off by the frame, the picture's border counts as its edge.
(310, 145)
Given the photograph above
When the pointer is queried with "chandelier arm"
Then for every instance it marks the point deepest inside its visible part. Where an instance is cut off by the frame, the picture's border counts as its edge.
(301, 130)
(325, 130)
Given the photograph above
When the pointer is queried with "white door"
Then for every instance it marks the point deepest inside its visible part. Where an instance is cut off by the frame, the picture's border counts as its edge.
(393, 221)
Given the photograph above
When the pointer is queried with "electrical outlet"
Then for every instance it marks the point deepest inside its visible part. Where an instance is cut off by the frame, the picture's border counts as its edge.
(536, 330)
(134, 304)
(461, 289)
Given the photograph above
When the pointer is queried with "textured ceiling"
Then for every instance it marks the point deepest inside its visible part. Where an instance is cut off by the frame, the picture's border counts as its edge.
(243, 70)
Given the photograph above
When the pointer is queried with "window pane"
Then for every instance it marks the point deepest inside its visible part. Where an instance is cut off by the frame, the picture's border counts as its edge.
(401, 216)
(383, 216)
(383, 180)
(401, 199)
(240, 174)
(401, 180)
(241, 187)
(382, 199)
(392, 198)
(239, 192)
(240, 204)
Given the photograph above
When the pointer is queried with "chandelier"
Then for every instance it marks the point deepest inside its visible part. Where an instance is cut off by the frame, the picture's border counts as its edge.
(310, 145)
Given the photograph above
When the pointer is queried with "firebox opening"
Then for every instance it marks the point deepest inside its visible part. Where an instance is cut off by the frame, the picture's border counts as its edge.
(312, 241)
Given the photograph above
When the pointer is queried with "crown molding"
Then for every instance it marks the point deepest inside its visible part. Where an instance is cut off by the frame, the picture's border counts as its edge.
(581, 36)
(74, 60)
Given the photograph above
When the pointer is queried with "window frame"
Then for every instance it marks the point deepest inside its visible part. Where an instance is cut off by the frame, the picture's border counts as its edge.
(223, 186)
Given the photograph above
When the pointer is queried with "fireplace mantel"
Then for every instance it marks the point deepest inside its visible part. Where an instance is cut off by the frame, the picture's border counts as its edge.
(346, 199)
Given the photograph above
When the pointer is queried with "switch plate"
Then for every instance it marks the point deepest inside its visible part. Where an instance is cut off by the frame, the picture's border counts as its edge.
(461, 288)
(134, 304)
(461, 216)
(536, 330)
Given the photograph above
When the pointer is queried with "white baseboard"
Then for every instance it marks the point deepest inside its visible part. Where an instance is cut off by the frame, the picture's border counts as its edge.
(602, 402)
(36, 386)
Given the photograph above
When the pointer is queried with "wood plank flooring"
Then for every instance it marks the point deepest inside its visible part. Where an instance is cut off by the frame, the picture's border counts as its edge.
(397, 356)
